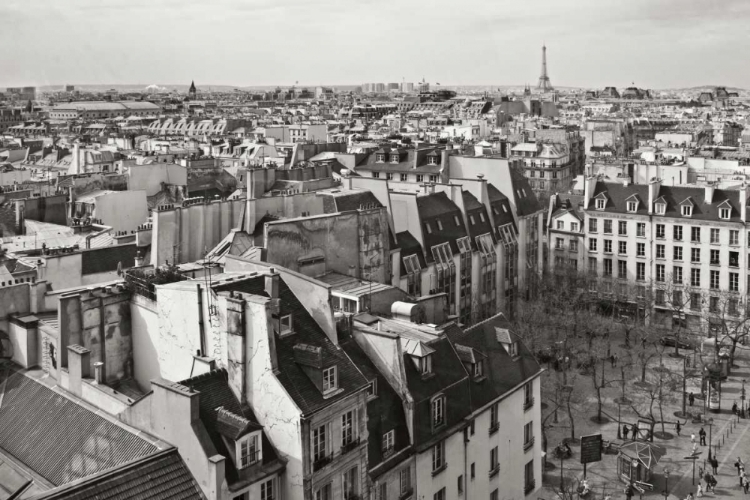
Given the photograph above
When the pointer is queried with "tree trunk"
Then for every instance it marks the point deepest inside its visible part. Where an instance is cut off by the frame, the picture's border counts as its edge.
(572, 422)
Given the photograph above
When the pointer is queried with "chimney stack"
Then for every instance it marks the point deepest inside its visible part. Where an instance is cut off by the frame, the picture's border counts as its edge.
(79, 363)
(99, 372)
(272, 283)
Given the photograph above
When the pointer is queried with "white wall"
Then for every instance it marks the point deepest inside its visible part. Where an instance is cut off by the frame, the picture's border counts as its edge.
(122, 210)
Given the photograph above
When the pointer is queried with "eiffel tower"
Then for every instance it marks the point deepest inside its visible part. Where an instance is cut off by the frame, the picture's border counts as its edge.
(544, 84)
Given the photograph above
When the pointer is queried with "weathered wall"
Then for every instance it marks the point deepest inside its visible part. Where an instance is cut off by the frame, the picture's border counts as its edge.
(46, 209)
(122, 210)
(62, 270)
(86, 183)
(287, 206)
(149, 178)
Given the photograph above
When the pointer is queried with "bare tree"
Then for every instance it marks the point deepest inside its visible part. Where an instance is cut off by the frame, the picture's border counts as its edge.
(728, 323)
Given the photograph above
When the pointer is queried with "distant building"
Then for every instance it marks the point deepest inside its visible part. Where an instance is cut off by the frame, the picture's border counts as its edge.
(407, 87)
(192, 92)
(88, 110)
(22, 93)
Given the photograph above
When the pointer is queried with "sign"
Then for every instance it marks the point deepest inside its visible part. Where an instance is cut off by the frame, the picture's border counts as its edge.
(591, 448)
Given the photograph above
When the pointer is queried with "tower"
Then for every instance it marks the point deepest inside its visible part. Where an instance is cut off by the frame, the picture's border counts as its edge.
(544, 84)
(192, 91)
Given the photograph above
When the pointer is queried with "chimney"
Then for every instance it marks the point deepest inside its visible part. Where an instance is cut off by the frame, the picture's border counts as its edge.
(99, 372)
(79, 362)
(76, 166)
(588, 190)
(709, 194)
(138, 258)
(653, 193)
(743, 202)
(216, 477)
(272, 283)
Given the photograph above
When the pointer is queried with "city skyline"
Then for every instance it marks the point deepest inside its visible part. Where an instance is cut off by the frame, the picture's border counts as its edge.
(658, 45)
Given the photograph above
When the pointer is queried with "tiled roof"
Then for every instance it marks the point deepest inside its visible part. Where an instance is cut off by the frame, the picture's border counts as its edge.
(526, 202)
(436, 207)
(162, 476)
(58, 439)
(307, 331)
(354, 200)
(106, 259)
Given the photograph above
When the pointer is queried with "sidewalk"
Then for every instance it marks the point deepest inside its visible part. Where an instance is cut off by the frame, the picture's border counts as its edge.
(730, 439)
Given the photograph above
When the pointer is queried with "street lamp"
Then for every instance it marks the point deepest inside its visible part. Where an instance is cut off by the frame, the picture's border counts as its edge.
(666, 484)
(710, 435)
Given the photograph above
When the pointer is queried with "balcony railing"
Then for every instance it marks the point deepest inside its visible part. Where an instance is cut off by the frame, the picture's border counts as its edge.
(252, 458)
(347, 447)
(528, 444)
(388, 452)
(322, 462)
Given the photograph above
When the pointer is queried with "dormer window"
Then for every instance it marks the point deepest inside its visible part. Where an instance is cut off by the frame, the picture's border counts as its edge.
(425, 365)
(725, 213)
(632, 206)
(432, 160)
(687, 211)
(285, 324)
(601, 203)
(512, 349)
(248, 450)
(661, 208)
(330, 379)
(479, 369)
(395, 159)
(380, 158)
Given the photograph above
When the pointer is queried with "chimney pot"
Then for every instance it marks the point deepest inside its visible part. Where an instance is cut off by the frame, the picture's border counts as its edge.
(99, 372)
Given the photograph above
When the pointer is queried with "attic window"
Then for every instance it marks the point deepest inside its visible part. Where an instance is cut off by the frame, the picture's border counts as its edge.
(285, 324)
(600, 204)
(478, 369)
(330, 379)
(687, 210)
(428, 228)
(725, 213)
(395, 159)
(632, 206)
(432, 160)
(458, 221)
(513, 349)
(661, 208)
(248, 450)
(425, 365)
(380, 158)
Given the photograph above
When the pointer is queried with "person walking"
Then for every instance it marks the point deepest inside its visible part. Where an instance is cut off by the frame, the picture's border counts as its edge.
(699, 493)
(635, 431)
(746, 485)
(714, 464)
(692, 437)
(691, 398)
(734, 408)
(737, 466)
(702, 434)
(677, 428)
(625, 430)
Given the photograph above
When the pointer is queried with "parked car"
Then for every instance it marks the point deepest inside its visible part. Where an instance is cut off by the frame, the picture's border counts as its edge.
(671, 341)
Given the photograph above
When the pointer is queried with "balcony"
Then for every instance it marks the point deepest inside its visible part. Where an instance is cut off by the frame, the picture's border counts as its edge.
(440, 469)
(494, 428)
(406, 494)
(529, 403)
(347, 447)
(495, 470)
(530, 485)
(528, 444)
(322, 462)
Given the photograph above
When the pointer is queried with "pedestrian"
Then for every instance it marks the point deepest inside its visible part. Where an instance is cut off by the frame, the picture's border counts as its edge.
(689, 497)
(691, 398)
(635, 431)
(692, 437)
(734, 408)
(695, 448)
(702, 434)
(714, 464)
(677, 428)
(737, 466)
(625, 431)
(617, 358)
(612, 360)
(746, 485)
(699, 493)
(700, 473)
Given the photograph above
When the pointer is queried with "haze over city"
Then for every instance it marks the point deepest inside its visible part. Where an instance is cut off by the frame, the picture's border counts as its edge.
(591, 43)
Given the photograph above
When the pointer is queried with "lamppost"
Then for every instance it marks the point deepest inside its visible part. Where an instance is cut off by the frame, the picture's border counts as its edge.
(666, 484)
(710, 422)
(562, 482)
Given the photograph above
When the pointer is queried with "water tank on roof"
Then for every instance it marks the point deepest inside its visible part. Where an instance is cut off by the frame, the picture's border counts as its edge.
(408, 312)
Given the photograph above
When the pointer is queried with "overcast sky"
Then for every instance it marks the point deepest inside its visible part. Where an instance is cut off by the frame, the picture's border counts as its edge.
(590, 43)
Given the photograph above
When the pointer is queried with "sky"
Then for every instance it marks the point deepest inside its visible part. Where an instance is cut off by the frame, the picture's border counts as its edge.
(590, 43)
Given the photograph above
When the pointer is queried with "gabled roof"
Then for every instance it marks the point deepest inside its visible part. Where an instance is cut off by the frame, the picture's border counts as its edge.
(57, 438)
(687, 201)
(160, 476)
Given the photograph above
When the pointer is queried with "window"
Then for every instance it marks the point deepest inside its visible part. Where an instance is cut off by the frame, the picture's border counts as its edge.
(640, 249)
(713, 304)
(622, 228)
(286, 324)
(660, 250)
(734, 237)
(494, 423)
(559, 243)
(695, 301)
(376, 175)
(403, 177)
(734, 282)
(695, 255)
(439, 225)
(388, 443)
(425, 365)
(592, 244)
(632, 206)
(481, 216)
(528, 396)
(420, 178)
(494, 495)
(593, 266)
(478, 369)
(661, 208)
(471, 219)
(438, 456)
(725, 213)
(593, 225)
(677, 253)
(320, 443)
(573, 245)
(695, 234)
(456, 220)
(438, 411)
(687, 210)
(324, 493)
(677, 233)
(659, 297)
(607, 226)
(622, 269)
(660, 231)
(677, 275)
(440, 495)
(714, 235)
(732, 306)
(472, 470)
(574, 227)
(389, 176)
(607, 246)
(640, 229)
(350, 483)
(695, 277)
(528, 477)
(267, 489)
(600, 204)
(659, 272)
(715, 260)
(348, 428)
(528, 435)
(383, 491)
(560, 225)
(394, 158)
(428, 228)
(607, 267)
(248, 451)
(640, 271)
(494, 463)
(329, 379)
(460, 484)
(714, 280)
(433, 178)
(405, 480)
(622, 247)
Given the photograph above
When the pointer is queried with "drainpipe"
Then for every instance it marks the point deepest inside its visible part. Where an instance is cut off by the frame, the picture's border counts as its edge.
(201, 333)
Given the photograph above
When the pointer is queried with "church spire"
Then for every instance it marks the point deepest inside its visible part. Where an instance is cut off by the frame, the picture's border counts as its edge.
(192, 89)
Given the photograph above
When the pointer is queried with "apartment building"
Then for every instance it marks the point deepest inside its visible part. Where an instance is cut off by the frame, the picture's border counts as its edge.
(547, 166)
(680, 252)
